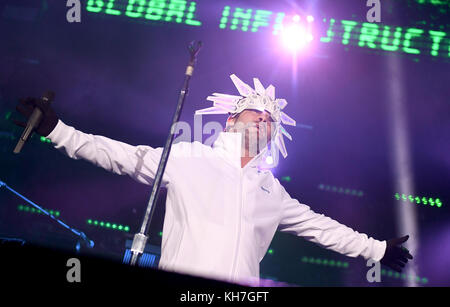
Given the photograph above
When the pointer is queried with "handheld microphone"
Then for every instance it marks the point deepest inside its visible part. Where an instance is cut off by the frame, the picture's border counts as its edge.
(34, 120)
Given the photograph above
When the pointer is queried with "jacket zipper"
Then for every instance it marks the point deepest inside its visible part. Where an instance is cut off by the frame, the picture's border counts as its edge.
(233, 275)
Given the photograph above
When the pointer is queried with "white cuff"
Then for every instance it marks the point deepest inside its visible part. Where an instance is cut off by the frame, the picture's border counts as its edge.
(379, 250)
(57, 132)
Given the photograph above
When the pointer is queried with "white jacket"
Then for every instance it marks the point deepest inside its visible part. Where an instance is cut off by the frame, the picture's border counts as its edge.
(220, 218)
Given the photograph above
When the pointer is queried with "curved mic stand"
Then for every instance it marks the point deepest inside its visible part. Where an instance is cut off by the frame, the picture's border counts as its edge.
(80, 234)
(140, 239)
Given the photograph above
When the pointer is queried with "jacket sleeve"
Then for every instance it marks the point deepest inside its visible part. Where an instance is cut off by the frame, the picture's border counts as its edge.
(300, 220)
(139, 162)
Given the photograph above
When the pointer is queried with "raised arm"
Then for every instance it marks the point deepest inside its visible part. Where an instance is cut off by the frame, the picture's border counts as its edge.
(139, 162)
(300, 220)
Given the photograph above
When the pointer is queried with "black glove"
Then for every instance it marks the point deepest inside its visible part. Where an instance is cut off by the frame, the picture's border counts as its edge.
(49, 118)
(396, 256)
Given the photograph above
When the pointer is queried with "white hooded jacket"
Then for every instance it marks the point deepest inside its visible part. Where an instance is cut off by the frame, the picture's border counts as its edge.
(220, 218)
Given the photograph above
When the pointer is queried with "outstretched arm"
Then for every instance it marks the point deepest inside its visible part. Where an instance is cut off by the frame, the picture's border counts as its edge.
(300, 220)
(139, 162)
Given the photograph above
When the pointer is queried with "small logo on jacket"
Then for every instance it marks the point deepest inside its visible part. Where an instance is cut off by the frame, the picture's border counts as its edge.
(264, 189)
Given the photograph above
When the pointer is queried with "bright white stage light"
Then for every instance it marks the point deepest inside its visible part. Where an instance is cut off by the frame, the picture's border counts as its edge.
(269, 160)
(295, 36)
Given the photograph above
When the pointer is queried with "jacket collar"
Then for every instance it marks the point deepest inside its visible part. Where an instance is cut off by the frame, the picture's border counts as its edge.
(229, 144)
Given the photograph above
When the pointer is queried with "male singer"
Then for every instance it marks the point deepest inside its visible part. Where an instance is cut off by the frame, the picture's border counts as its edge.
(223, 203)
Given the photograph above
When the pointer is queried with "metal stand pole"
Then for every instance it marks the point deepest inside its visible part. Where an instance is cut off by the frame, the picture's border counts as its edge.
(140, 239)
(81, 235)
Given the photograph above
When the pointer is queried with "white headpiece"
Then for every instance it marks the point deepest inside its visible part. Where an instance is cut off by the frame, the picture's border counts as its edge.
(257, 99)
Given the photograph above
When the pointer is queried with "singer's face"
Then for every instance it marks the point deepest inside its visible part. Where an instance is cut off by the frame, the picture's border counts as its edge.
(255, 125)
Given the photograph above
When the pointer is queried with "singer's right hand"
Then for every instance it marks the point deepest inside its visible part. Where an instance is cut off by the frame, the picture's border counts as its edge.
(49, 118)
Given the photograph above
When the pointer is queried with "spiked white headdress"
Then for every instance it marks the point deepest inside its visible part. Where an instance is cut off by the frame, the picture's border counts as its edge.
(257, 99)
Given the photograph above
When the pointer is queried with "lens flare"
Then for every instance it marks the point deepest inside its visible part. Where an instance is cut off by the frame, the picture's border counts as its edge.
(295, 37)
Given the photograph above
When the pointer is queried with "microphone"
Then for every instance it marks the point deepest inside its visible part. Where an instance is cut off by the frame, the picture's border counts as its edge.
(34, 120)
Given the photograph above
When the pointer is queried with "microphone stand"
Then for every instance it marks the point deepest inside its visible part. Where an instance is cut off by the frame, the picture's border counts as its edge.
(140, 239)
(80, 234)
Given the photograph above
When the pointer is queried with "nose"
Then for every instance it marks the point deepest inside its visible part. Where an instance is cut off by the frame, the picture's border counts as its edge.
(263, 116)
